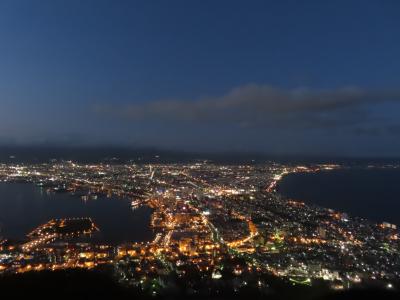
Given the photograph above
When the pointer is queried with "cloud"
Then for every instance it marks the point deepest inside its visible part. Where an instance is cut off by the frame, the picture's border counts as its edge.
(263, 106)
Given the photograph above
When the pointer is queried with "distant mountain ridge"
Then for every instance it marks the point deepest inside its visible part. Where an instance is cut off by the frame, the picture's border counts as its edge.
(113, 154)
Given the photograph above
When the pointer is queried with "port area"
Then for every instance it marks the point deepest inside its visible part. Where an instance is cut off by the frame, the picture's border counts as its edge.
(57, 229)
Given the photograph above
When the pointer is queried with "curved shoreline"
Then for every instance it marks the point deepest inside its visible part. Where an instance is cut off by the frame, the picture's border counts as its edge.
(43, 207)
(357, 191)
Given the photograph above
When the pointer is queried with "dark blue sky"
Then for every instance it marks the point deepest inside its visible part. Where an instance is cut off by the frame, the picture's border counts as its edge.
(310, 77)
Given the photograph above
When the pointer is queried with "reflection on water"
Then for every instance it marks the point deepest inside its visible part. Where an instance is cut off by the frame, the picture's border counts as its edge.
(25, 206)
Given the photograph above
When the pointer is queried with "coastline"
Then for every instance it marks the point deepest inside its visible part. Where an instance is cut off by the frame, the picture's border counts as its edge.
(326, 194)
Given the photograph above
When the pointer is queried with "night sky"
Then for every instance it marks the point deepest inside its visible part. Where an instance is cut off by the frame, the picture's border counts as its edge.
(286, 77)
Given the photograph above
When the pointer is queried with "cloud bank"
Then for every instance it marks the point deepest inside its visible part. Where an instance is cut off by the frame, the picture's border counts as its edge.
(265, 106)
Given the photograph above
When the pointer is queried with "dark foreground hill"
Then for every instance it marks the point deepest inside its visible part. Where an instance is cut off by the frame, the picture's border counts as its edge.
(81, 284)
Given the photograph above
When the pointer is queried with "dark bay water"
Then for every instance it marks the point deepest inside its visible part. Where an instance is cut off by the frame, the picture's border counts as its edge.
(369, 193)
(25, 206)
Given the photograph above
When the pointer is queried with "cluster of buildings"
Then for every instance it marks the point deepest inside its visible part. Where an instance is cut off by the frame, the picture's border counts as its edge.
(216, 227)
